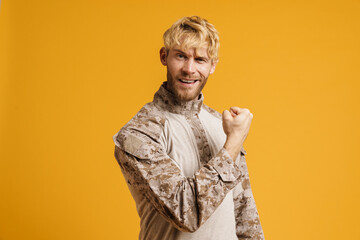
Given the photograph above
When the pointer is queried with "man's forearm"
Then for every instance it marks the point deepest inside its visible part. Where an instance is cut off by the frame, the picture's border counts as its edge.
(183, 201)
(232, 147)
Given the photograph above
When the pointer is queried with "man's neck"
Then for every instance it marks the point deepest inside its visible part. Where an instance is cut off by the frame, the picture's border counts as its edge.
(167, 101)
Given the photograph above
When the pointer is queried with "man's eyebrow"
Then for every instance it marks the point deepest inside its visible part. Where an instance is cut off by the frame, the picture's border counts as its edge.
(178, 50)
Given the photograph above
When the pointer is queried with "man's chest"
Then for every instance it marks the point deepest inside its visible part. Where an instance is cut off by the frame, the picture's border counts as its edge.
(192, 140)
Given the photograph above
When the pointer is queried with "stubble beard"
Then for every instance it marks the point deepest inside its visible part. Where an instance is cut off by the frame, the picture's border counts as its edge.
(183, 95)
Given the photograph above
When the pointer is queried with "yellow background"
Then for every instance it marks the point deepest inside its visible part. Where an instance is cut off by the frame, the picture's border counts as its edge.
(74, 72)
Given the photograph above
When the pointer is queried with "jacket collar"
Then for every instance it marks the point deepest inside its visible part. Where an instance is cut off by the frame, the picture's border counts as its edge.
(167, 101)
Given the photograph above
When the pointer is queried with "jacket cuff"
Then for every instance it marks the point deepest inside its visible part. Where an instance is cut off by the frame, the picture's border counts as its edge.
(225, 166)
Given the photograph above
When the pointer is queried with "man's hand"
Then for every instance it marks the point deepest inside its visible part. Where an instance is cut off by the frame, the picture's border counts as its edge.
(236, 125)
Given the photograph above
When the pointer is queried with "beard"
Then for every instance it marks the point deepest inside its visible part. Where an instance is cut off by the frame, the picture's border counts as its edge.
(182, 93)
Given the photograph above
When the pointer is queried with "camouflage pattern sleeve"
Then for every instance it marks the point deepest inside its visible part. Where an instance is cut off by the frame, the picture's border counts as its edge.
(246, 215)
(186, 202)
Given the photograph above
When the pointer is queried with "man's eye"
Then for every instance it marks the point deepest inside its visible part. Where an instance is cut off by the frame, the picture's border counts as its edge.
(180, 56)
(200, 60)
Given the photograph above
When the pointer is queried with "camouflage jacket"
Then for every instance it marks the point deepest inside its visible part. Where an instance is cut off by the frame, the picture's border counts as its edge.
(184, 183)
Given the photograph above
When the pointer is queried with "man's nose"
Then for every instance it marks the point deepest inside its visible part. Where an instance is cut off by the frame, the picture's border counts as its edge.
(189, 66)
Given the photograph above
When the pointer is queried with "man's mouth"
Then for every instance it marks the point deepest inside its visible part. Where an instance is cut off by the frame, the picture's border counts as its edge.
(188, 81)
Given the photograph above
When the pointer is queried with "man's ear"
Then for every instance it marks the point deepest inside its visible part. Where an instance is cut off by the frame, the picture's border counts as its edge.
(163, 56)
(213, 66)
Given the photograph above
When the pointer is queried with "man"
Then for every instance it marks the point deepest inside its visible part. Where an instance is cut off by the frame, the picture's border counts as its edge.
(184, 162)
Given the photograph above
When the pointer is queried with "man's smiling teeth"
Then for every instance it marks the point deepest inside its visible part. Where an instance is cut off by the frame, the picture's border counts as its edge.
(187, 81)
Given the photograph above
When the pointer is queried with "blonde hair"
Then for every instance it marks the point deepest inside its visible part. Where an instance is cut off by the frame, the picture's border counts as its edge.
(189, 32)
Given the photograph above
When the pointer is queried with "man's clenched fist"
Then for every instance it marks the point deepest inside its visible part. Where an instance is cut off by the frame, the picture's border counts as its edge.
(236, 125)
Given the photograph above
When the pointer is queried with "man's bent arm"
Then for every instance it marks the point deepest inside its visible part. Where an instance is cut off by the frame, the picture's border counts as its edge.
(187, 202)
(247, 219)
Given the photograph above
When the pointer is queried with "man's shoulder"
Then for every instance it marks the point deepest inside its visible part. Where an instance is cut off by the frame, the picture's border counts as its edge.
(148, 118)
(212, 111)
(146, 126)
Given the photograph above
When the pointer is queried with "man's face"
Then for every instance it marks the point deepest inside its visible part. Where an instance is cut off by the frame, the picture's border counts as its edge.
(187, 71)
